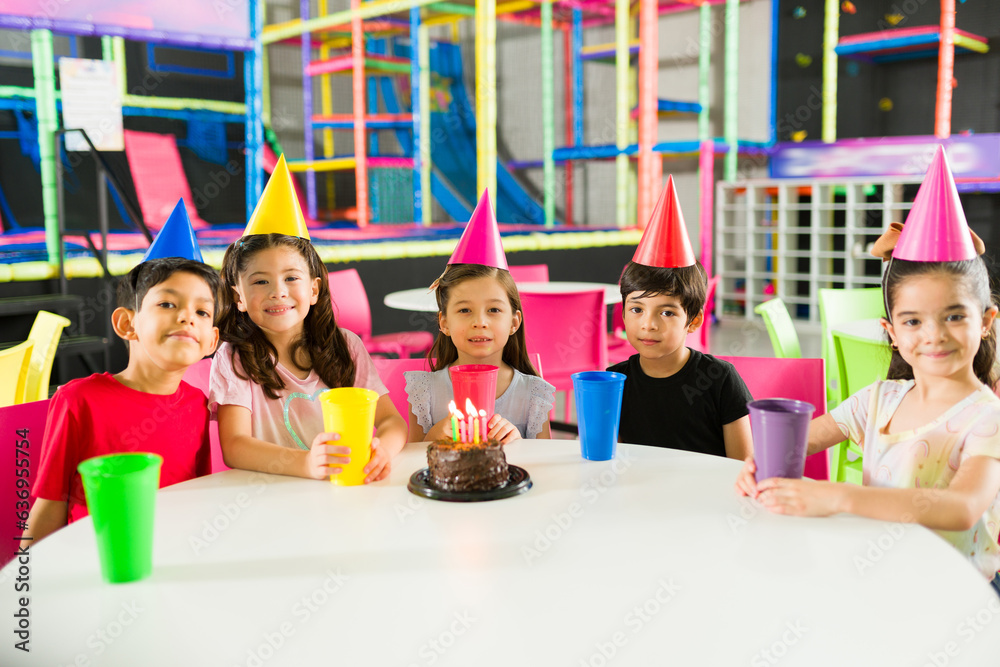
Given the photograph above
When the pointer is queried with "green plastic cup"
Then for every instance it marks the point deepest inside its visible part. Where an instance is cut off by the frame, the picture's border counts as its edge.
(121, 496)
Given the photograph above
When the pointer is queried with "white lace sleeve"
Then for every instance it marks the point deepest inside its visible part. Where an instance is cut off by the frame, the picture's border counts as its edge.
(418, 392)
(541, 399)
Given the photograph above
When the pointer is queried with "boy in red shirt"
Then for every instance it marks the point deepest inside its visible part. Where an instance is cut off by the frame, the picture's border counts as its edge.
(166, 313)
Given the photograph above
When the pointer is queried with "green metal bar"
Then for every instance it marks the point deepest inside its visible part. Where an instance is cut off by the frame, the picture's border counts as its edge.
(16, 91)
(43, 65)
(548, 118)
(366, 11)
(704, 72)
(383, 66)
(831, 35)
(424, 46)
(179, 103)
(622, 119)
(731, 115)
(118, 55)
(452, 8)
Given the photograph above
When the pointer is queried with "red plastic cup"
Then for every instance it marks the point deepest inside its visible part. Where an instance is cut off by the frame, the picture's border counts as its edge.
(476, 382)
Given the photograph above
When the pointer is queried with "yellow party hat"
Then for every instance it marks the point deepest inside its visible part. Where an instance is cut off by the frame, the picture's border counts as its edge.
(278, 210)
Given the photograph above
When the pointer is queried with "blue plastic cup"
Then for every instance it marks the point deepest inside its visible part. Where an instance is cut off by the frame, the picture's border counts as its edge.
(598, 396)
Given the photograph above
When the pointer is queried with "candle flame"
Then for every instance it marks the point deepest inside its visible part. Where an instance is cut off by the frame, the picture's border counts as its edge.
(470, 409)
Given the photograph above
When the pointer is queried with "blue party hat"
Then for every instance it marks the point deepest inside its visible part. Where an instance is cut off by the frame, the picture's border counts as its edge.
(176, 238)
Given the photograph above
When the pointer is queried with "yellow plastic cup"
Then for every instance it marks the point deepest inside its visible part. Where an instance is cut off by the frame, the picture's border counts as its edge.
(350, 411)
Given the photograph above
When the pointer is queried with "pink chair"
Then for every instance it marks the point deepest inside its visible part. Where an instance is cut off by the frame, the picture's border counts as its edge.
(197, 376)
(19, 423)
(699, 339)
(350, 303)
(391, 372)
(800, 379)
(619, 349)
(569, 332)
(530, 273)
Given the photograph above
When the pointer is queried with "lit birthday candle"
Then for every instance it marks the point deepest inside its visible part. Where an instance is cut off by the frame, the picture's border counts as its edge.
(470, 410)
(482, 424)
(454, 420)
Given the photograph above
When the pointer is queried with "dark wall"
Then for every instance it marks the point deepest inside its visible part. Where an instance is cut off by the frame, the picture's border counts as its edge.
(223, 202)
(910, 85)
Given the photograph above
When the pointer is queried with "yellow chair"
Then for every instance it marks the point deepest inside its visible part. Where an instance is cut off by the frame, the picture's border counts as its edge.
(45, 334)
(14, 366)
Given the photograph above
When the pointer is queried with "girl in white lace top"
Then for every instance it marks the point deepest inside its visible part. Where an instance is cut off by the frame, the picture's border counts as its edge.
(479, 316)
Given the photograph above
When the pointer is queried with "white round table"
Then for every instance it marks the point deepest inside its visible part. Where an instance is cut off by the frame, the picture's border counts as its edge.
(422, 300)
(647, 559)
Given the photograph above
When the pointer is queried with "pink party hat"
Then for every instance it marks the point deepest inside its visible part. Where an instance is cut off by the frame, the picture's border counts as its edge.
(665, 242)
(936, 229)
(176, 238)
(480, 242)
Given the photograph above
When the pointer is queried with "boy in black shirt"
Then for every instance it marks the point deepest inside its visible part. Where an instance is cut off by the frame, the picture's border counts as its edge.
(675, 397)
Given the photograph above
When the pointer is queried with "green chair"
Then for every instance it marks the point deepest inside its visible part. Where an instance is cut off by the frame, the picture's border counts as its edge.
(862, 361)
(839, 306)
(784, 338)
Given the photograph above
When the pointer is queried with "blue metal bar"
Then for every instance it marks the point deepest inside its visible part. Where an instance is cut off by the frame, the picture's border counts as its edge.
(253, 87)
(376, 47)
(415, 110)
(369, 125)
(773, 111)
(577, 67)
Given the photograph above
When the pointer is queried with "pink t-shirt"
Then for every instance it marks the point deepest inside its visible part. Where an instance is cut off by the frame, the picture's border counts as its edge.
(284, 420)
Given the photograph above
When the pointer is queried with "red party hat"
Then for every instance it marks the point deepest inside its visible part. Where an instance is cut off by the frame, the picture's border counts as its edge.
(665, 242)
(480, 242)
(936, 229)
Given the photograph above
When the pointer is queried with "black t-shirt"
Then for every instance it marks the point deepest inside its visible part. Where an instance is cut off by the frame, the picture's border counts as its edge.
(684, 411)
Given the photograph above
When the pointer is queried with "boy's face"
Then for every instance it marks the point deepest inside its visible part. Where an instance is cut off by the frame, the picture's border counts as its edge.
(173, 328)
(657, 325)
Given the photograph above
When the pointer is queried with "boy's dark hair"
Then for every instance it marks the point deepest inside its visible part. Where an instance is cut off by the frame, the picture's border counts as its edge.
(133, 286)
(322, 342)
(688, 283)
(976, 278)
(515, 352)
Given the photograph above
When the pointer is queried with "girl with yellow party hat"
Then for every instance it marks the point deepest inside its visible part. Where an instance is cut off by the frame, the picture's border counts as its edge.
(929, 433)
(282, 349)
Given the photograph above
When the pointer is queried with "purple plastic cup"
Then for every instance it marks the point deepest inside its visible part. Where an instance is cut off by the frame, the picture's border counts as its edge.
(780, 429)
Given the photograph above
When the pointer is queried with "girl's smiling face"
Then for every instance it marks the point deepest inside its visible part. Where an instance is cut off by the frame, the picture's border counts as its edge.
(479, 319)
(277, 291)
(938, 325)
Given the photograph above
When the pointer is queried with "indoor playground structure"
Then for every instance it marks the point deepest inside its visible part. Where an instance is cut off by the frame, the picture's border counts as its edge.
(387, 115)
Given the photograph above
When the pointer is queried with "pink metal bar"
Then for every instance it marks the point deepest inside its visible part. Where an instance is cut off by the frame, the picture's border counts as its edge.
(946, 71)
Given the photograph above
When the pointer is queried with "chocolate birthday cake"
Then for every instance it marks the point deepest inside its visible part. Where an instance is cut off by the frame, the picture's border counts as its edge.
(463, 466)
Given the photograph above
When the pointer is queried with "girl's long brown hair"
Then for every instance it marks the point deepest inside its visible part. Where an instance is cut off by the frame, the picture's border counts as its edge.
(973, 274)
(515, 352)
(322, 345)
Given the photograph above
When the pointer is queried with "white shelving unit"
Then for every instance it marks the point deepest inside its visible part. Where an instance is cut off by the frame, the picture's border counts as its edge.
(789, 238)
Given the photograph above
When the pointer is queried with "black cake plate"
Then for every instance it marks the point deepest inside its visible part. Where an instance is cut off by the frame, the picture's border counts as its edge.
(518, 483)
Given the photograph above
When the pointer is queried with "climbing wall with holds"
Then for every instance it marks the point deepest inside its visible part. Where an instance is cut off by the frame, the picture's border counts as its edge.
(891, 98)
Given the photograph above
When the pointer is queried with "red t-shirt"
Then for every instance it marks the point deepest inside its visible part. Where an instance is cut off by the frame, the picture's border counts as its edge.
(99, 415)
